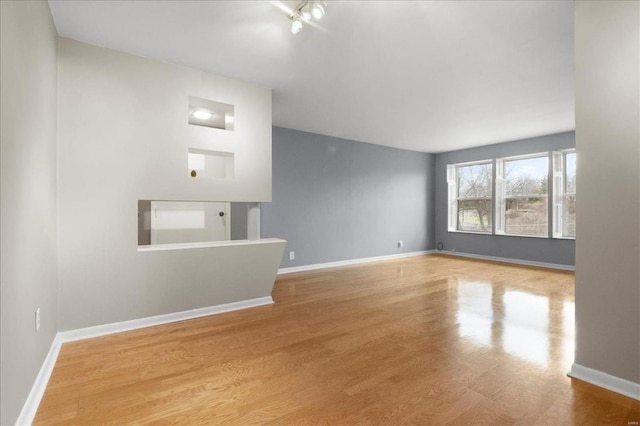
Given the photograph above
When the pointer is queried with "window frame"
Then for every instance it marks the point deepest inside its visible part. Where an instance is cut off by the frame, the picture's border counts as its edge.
(501, 196)
(560, 193)
(453, 196)
(556, 194)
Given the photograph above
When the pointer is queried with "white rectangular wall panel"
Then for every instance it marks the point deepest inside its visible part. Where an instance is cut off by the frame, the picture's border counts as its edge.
(124, 136)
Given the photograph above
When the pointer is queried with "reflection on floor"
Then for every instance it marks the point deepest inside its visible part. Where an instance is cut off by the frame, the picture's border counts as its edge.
(517, 322)
(428, 340)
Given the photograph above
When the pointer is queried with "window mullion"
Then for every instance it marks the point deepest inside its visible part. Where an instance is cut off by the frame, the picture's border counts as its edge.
(557, 218)
(452, 181)
(500, 197)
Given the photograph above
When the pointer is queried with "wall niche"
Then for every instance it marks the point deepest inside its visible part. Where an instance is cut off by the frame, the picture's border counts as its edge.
(207, 113)
(203, 163)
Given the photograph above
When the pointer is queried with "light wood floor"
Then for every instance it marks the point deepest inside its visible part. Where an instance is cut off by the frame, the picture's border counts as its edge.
(427, 340)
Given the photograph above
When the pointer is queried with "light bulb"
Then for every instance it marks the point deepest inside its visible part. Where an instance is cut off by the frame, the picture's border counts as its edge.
(296, 26)
(305, 15)
(203, 114)
(318, 9)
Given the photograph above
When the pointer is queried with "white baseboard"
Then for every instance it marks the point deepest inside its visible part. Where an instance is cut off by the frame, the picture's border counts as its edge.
(30, 406)
(351, 262)
(604, 380)
(509, 260)
(420, 253)
(118, 327)
(37, 390)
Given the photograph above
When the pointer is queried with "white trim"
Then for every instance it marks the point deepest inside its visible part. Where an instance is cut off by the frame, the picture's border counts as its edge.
(546, 236)
(499, 195)
(557, 192)
(118, 327)
(452, 194)
(351, 262)
(32, 403)
(472, 232)
(564, 238)
(604, 380)
(509, 260)
(207, 244)
(526, 156)
(472, 163)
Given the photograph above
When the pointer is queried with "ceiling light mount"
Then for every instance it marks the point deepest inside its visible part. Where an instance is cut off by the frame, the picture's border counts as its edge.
(304, 12)
(203, 114)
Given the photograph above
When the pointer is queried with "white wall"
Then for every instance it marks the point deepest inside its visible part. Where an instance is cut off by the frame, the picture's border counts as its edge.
(124, 129)
(28, 261)
(608, 223)
(123, 137)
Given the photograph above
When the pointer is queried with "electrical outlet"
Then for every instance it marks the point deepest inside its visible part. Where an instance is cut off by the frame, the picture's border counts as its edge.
(38, 319)
(400, 243)
(292, 255)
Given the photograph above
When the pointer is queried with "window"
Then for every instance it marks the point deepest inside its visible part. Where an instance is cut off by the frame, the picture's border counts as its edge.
(522, 193)
(564, 189)
(530, 195)
(470, 196)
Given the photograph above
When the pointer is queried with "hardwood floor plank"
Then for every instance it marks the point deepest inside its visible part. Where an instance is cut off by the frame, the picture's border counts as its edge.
(424, 340)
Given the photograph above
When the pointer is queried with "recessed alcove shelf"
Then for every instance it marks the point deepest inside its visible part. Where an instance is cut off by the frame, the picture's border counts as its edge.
(171, 222)
(202, 163)
(207, 113)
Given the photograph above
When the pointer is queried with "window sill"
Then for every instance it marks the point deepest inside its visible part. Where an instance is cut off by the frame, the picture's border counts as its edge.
(471, 232)
(514, 235)
(545, 237)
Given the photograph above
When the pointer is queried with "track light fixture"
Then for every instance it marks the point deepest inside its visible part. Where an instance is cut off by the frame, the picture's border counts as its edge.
(317, 9)
(304, 11)
(296, 24)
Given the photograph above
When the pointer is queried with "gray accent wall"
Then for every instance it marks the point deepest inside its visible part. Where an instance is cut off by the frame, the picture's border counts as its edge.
(546, 250)
(337, 199)
(608, 222)
(28, 214)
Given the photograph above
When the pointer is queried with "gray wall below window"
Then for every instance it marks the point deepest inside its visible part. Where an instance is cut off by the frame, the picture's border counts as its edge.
(336, 199)
(523, 248)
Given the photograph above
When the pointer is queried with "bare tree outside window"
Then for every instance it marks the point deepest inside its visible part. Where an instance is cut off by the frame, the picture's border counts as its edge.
(527, 196)
(474, 185)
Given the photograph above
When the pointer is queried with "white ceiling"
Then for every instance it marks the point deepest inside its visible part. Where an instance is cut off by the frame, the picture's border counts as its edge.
(429, 76)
